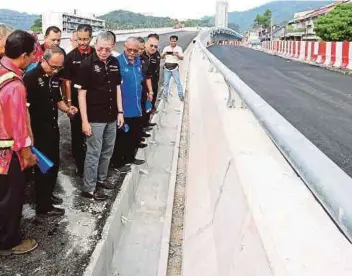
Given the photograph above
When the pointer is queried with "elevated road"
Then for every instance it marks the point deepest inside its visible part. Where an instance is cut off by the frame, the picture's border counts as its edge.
(66, 244)
(316, 101)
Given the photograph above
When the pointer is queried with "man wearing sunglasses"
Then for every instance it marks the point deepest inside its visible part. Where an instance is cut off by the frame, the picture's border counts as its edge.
(71, 74)
(44, 97)
(152, 51)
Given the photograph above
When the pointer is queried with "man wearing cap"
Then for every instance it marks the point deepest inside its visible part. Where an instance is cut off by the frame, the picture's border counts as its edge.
(101, 109)
(71, 74)
(44, 97)
(15, 143)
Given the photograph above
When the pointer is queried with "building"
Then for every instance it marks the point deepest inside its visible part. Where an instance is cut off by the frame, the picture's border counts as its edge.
(68, 22)
(221, 16)
(301, 27)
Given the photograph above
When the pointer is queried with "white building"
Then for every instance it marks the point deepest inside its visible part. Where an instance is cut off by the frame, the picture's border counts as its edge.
(68, 22)
(221, 16)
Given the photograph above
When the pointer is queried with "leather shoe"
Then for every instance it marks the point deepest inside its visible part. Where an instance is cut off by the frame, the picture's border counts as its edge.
(98, 195)
(56, 200)
(138, 162)
(53, 212)
(145, 135)
(105, 185)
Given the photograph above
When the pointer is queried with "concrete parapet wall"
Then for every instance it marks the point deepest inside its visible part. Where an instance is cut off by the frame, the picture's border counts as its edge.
(247, 212)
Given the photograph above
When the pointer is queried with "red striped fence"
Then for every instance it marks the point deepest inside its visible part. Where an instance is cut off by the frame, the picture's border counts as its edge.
(332, 54)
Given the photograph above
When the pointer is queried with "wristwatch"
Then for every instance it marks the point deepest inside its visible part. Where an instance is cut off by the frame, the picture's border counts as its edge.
(120, 112)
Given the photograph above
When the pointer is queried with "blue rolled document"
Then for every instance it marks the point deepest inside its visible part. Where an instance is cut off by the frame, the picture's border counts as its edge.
(148, 106)
(43, 163)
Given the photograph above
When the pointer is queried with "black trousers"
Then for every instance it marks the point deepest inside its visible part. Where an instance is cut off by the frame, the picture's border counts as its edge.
(47, 141)
(155, 85)
(11, 203)
(78, 142)
(126, 144)
(145, 115)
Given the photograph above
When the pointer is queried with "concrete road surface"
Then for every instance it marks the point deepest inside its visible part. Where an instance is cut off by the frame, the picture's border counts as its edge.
(66, 243)
(316, 101)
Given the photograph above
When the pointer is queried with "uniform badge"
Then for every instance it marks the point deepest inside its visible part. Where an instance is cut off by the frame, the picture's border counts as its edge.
(97, 68)
(41, 82)
(126, 69)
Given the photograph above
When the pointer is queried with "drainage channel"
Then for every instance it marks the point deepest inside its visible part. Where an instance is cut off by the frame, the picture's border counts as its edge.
(143, 247)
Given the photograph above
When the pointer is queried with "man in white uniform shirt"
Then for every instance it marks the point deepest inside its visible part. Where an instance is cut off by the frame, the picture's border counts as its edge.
(173, 54)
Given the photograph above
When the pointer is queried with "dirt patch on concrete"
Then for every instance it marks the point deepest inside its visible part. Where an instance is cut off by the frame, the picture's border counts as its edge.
(176, 238)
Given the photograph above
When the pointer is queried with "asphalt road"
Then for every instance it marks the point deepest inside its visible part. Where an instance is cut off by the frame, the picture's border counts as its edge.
(316, 101)
(65, 244)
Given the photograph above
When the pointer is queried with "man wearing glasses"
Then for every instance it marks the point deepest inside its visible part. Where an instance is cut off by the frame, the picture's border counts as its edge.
(131, 87)
(151, 50)
(71, 74)
(101, 111)
(44, 98)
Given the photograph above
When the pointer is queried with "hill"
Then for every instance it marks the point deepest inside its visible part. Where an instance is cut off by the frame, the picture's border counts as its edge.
(121, 19)
(281, 10)
(17, 20)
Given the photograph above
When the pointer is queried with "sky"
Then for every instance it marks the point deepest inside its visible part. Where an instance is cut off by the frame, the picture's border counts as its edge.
(180, 9)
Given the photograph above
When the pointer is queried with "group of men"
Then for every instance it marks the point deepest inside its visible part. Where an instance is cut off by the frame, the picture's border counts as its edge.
(105, 96)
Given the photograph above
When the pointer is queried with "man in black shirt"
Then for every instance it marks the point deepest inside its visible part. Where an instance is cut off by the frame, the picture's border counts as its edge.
(44, 97)
(100, 103)
(153, 53)
(147, 93)
(70, 74)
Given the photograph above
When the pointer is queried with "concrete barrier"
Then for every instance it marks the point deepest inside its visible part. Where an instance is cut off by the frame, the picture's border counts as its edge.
(247, 212)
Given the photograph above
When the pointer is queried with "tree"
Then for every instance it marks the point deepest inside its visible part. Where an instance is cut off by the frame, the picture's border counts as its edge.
(336, 25)
(263, 20)
(37, 26)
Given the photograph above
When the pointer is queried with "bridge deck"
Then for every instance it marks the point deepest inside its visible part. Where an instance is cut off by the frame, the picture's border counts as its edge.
(316, 101)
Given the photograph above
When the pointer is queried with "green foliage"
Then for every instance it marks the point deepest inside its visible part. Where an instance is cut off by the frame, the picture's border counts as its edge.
(263, 20)
(282, 11)
(121, 19)
(336, 25)
(37, 26)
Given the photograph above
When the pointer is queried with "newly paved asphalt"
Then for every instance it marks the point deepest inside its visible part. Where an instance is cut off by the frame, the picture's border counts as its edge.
(316, 101)
(60, 250)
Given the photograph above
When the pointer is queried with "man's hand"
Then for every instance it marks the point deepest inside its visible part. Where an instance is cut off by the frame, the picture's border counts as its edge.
(120, 120)
(29, 159)
(87, 129)
(150, 96)
(72, 111)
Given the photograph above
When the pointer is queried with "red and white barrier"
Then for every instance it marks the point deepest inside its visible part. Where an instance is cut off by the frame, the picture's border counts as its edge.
(331, 54)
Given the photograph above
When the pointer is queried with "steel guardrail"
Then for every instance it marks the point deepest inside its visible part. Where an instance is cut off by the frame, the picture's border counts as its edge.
(328, 182)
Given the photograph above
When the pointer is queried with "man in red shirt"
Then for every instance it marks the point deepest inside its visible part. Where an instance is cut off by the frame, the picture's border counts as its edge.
(52, 38)
(15, 143)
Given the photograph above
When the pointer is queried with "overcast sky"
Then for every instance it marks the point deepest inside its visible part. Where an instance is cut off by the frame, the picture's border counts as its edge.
(180, 9)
